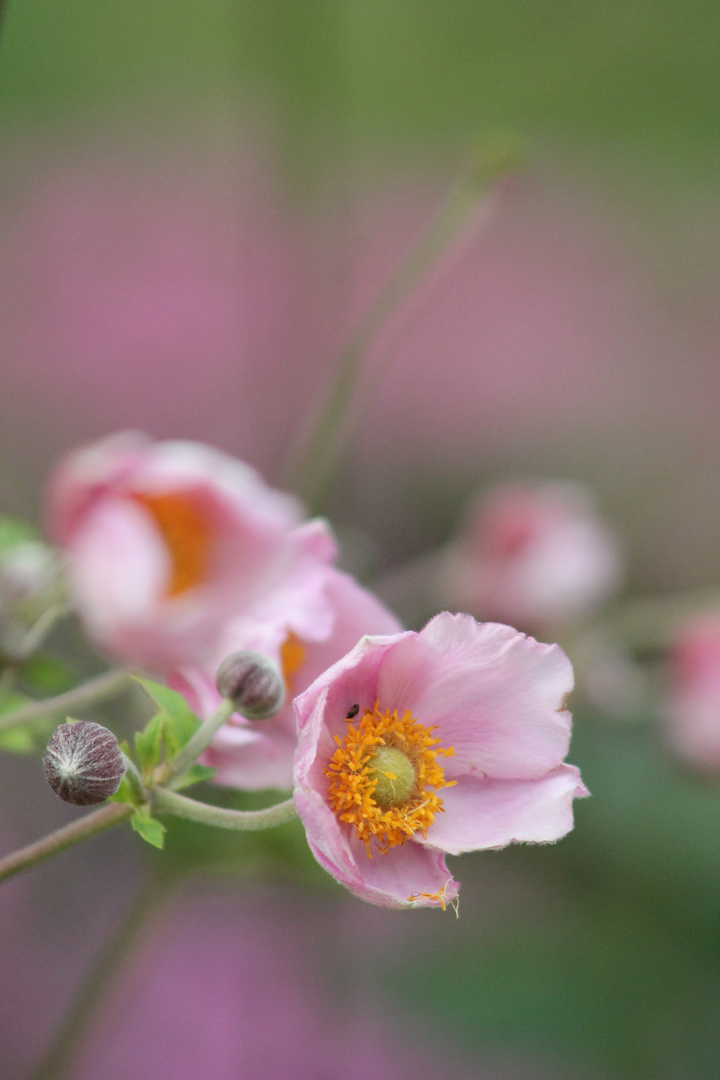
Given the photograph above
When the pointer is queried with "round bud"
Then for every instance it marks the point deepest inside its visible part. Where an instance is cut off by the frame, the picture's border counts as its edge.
(83, 763)
(253, 683)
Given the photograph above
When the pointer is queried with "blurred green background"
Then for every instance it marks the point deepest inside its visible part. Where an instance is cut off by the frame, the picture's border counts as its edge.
(599, 958)
(625, 77)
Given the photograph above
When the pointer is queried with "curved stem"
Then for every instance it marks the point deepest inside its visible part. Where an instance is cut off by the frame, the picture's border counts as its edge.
(243, 820)
(107, 817)
(200, 741)
(102, 686)
(61, 1055)
(337, 414)
(39, 631)
(650, 622)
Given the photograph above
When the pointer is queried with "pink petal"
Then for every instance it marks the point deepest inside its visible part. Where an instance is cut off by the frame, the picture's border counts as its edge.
(263, 757)
(494, 694)
(253, 759)
(493, 813)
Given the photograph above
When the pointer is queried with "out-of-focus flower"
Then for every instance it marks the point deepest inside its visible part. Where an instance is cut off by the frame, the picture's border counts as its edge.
(534, 554)
(415, 745)
(167, 542)
(30, 583)
(693, 708)
(260, 755)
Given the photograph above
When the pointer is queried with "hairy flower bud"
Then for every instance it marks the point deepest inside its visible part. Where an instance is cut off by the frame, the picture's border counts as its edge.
(83, 763)
(253, 683)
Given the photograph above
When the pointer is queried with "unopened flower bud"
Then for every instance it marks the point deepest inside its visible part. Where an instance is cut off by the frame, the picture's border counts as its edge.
(253, 683)
(83, 763)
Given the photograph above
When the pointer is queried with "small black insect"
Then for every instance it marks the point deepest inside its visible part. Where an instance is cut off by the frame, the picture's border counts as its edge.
(353, 712)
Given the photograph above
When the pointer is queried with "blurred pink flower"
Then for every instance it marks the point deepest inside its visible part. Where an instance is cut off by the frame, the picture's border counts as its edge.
(260, 755)
(533, 554)
(693, 707)
(475, 712)
(166, 542)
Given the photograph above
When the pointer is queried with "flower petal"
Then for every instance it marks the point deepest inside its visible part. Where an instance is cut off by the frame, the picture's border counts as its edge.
(482, 814)
(494, 694)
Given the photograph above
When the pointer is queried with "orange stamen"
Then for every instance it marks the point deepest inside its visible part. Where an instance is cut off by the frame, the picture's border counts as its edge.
(292, 658)
(187, 534)
(353, 780)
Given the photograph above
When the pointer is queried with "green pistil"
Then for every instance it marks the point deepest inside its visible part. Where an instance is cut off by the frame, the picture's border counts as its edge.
(395, 776)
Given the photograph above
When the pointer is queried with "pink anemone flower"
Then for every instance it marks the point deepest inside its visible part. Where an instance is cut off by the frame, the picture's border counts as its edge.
(255, 755)
(167, 542)
(534, 554)
(418, 745)
(693, 707)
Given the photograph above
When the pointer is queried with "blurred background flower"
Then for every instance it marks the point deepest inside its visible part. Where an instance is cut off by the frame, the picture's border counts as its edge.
(197, 202)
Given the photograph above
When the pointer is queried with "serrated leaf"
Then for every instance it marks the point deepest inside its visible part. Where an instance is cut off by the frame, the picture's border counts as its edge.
(178, 719)
(194, 775)
(147, 744)
(151, 830)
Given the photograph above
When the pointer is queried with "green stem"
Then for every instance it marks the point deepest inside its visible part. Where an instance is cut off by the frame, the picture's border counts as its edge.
(651, 622)
(170, 802)
(199, 742)
(106, 817)
(331, 423)
(103, 686)
(61, 1056)
(135, 782)
(39, 631)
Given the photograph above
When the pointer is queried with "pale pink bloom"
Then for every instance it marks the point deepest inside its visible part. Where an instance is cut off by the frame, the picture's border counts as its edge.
(693, 707)
(255, 755)
(532, 554)
(478, 712)
(166, 542)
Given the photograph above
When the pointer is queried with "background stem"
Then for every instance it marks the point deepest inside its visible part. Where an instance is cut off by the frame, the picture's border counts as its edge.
(107, 817)
(63, 1051)
(334, 419)
(105, 685)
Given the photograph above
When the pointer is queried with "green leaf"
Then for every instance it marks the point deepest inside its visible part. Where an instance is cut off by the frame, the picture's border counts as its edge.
(148, 828)
(24, 738)
(10, 700)
(178, 720)
(17, 740)
(194, 775)
(46, 676)
(147, 744)
(124, 794)
(14, 531)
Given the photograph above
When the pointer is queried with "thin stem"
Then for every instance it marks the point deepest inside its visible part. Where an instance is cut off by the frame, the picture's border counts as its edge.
(103, 686)
(171, 802)
(135, 781)
(651, 622)
(39, 631)
(331, 423)
(200, 741)
(62, 1053)
(107, 817)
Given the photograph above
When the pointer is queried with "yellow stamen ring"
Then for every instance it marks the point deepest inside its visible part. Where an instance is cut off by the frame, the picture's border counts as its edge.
(384, 778)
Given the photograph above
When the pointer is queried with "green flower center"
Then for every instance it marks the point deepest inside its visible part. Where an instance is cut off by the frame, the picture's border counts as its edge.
(395, 776)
